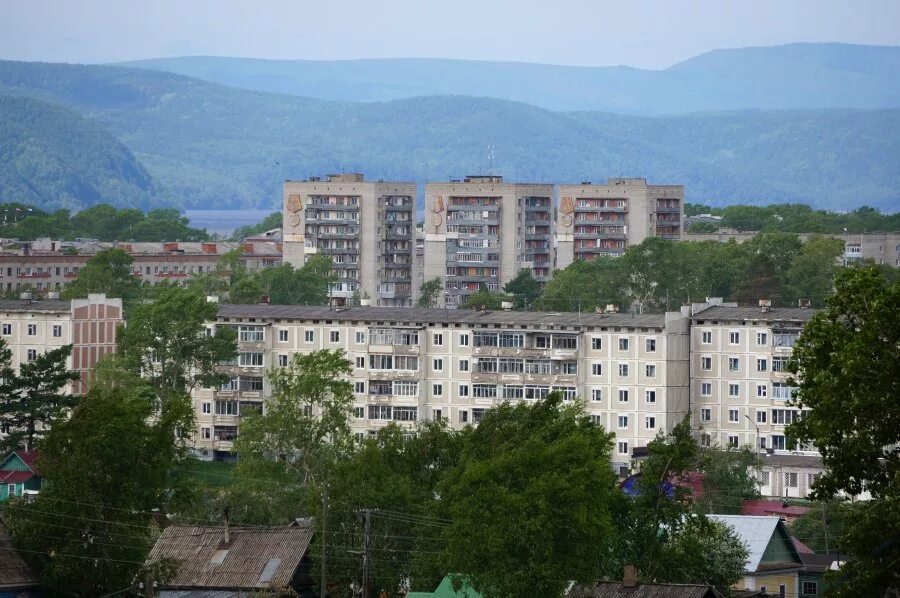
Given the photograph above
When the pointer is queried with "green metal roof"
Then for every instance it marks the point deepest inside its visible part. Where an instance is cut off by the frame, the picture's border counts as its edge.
(445, 590)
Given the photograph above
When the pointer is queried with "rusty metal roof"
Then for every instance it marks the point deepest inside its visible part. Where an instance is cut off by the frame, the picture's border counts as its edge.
(615, 589)
(255, 558)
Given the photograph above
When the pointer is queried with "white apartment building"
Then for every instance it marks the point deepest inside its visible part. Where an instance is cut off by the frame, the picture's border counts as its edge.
(418, 364)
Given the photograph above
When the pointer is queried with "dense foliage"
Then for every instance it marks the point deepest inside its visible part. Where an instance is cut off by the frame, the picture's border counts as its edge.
(184, 131)
(847, 362)
(55, 158)
(795, 218)
(271, 221)
(102, 222)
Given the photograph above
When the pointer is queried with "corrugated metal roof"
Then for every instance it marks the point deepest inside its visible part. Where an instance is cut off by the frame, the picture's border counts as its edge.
(42, 305)
(754, 531)
(441, 316)
(248, 562)
(14, 573)
(775, 314)
(615, 589)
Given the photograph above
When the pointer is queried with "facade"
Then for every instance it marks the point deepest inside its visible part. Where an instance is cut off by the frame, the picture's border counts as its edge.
(365, 228)
(47, 265)
(412, 365)
(597, 219)
(480, 231)
(19, 475)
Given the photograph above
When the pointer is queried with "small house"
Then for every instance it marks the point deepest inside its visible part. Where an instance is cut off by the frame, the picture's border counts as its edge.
(19, 474)
(452, 586)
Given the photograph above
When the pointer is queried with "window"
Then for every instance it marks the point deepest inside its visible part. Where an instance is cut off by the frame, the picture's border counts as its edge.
(623, 448)
(651, 345)
(204, 433)
(734, 364)
(463, 365)
(513, 392)
(734, 337)
(359, 388)
(733, 390)
(32, 330)
(206, 407)
(762, 339)
(706, 337)
(463, 340)
(360, 361)
(762, 365)
(31, 354)
(438, 340)
(623, 344)
(597, 343)
(763, 477)
(733, 440)
(810, 588)
(780, 390)
(250, 360)
(706, 363)
(760, 417)
(437, 365)
(705, 415)
(623, 369)
(650, 422)
(762, 390)
(596, 369)
(436, 414)
(282, 360)
(597, 420)
(405, 388)
(705, 440)
(282, 336)
(308, 336)
(568, 368)
(650, 396)
(437, 390)
(484, 391)
(406, 414)
(650, 370)
(463, 390)
(597, 395)
(335, 336)
(359, 412)
(7, 329)
(360, 337)
(251, 334)
(705, 389)
(733, 415)
(57, 330)
(790, 479)
(381, 412)
(623, 395)
(779, 364)
(463, 416)
(778, 442)
(226, 407)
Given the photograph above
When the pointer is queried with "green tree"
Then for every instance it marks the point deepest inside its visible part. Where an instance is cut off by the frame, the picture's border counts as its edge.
(524, 288)
(825, 520)
(846, 362)
(106, 468)
(272, 221)
(529, 500)
(729, 477)
(811, 272)
(108, 271)
(485, 299)
(430, 293)
(33, 400)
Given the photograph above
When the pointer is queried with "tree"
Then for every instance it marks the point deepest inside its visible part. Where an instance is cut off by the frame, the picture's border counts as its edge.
(529, 500)
(811, 273)
(272, 221)
(728, 479)
(33, 400)
(430, 293)
(524, 288)
(110, 272)
(106, 468)
(484, 299)
(846, 362)
(823, 525)
(168, 342)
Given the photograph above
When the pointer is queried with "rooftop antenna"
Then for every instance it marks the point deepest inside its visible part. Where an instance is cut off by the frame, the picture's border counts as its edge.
(491, 158)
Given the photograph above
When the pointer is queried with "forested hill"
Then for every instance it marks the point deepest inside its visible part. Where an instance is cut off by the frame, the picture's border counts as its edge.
(808, 75)
(213, 146)
(52, 157)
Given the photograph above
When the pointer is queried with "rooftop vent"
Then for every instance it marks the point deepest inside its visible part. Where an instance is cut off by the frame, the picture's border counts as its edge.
(765, 305)
(804, 303)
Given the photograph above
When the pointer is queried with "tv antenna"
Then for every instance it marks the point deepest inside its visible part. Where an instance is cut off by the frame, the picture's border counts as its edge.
(491, 158)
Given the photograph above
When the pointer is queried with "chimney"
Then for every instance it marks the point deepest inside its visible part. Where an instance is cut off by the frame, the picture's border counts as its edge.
(264, 300)
(629, 579)
(804, 303)
(765, 305)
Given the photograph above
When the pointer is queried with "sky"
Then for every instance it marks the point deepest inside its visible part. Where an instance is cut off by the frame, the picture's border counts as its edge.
(641, 33)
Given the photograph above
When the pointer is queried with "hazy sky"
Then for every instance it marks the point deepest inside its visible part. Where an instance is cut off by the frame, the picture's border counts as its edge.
(641, 33)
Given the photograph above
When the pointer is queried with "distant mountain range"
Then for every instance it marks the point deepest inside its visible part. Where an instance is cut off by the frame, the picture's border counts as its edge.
(780, 77)
(203, 145)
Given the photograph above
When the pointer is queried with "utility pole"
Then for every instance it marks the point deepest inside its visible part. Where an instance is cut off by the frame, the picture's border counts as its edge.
(148, 584)
(825, 523)
(367, 527)
(324, 589)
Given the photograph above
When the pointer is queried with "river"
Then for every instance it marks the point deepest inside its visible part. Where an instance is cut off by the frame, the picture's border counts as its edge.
(224, 222)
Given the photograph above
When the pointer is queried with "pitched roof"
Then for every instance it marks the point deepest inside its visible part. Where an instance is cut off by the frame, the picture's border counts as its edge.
(14, 573)
(775, 314)
(771, 507)
(756, 532)
(255, 558)
(54, 306)
(446, 590)
(15, 477)
(28, 458)
(615, 589)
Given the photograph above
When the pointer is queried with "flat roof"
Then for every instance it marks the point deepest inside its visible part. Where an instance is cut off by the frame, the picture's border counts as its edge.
(441, 316)
(775, 314)
(32, 305)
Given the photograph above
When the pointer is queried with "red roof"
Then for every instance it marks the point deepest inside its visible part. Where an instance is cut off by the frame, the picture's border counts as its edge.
(30, 459)
(771, 507)
(801, 547)
(15, 477)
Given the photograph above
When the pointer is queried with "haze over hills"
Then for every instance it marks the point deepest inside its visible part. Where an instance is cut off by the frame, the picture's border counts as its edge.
(53, 157)
(780, 77)
(212, 146)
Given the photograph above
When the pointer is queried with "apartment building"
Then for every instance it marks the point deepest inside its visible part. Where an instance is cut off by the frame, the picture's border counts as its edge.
(480, 231)
(366, 228)
(419, 364)
(597, 219)
(739, 382)
(47, 265)
(32, 327)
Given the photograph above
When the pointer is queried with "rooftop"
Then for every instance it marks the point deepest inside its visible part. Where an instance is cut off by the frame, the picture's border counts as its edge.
(756, 532)
(51, 306)
(756, 314)
(14, 572)
(615, 589)
(419, 316)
